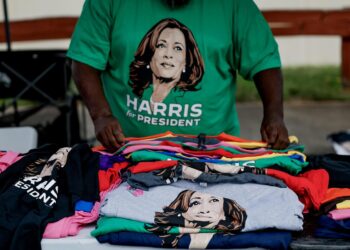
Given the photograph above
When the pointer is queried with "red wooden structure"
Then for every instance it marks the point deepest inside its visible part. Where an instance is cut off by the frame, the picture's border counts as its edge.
(316, 22)
(282, 22)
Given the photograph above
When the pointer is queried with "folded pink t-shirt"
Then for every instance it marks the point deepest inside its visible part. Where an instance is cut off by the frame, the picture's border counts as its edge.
(8, 159)
(339, 214)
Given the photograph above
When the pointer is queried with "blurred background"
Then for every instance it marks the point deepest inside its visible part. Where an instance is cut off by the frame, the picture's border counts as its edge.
(314, 42)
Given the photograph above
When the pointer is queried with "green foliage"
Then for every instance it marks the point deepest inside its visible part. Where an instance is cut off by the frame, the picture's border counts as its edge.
(20, 103)
(315, 83)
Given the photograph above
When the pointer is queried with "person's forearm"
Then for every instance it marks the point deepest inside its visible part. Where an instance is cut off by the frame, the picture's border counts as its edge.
(269, 84)
(107, 128)
(270, 87)
(87, 80)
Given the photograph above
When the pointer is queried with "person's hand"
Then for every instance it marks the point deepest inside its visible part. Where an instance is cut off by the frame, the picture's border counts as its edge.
(274, 133)
(109, 132)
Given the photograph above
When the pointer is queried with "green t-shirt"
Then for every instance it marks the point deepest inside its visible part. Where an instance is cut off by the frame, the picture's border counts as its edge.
(137, 46)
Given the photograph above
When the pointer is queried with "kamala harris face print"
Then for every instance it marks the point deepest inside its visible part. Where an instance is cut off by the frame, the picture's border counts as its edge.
(192, 209)
(167, 58)
(196, 209)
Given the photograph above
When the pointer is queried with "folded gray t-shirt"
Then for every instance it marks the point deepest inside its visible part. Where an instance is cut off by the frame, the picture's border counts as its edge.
(264, 206)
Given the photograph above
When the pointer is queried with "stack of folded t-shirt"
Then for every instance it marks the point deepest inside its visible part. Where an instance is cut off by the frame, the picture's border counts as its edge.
(205, 192)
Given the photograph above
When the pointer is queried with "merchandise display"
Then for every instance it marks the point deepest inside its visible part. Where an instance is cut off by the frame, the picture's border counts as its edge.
(200, 197)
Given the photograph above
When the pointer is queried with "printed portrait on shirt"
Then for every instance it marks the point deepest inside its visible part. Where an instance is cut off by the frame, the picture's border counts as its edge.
(193, 170)
(167, 58)
(193, 209)
(44, 167)
(56, 161)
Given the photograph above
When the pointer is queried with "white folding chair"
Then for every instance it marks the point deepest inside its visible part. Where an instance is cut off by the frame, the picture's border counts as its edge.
(18, 139)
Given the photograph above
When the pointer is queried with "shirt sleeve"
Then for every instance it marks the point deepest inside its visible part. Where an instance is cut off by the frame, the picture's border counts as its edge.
(255, 46)
(90, 43)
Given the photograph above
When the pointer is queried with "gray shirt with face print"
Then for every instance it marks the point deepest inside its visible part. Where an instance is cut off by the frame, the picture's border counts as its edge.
(265, 206)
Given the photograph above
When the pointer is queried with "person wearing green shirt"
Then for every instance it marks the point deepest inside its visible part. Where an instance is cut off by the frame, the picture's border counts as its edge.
(144, 67)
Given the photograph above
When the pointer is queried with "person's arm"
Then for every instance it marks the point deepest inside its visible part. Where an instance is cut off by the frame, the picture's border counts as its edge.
(269, 84)
(107, 128)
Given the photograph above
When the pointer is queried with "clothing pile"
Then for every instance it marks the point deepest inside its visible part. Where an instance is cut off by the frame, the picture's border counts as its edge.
(333, 218)
(172, 190)
(40, 187)
(205, 192)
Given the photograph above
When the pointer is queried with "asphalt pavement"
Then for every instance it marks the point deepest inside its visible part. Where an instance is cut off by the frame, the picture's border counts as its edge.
(311, 122)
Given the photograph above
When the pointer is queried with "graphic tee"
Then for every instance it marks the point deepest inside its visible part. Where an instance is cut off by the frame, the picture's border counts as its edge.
(263, 206)
(43, 187)
(174, 70)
